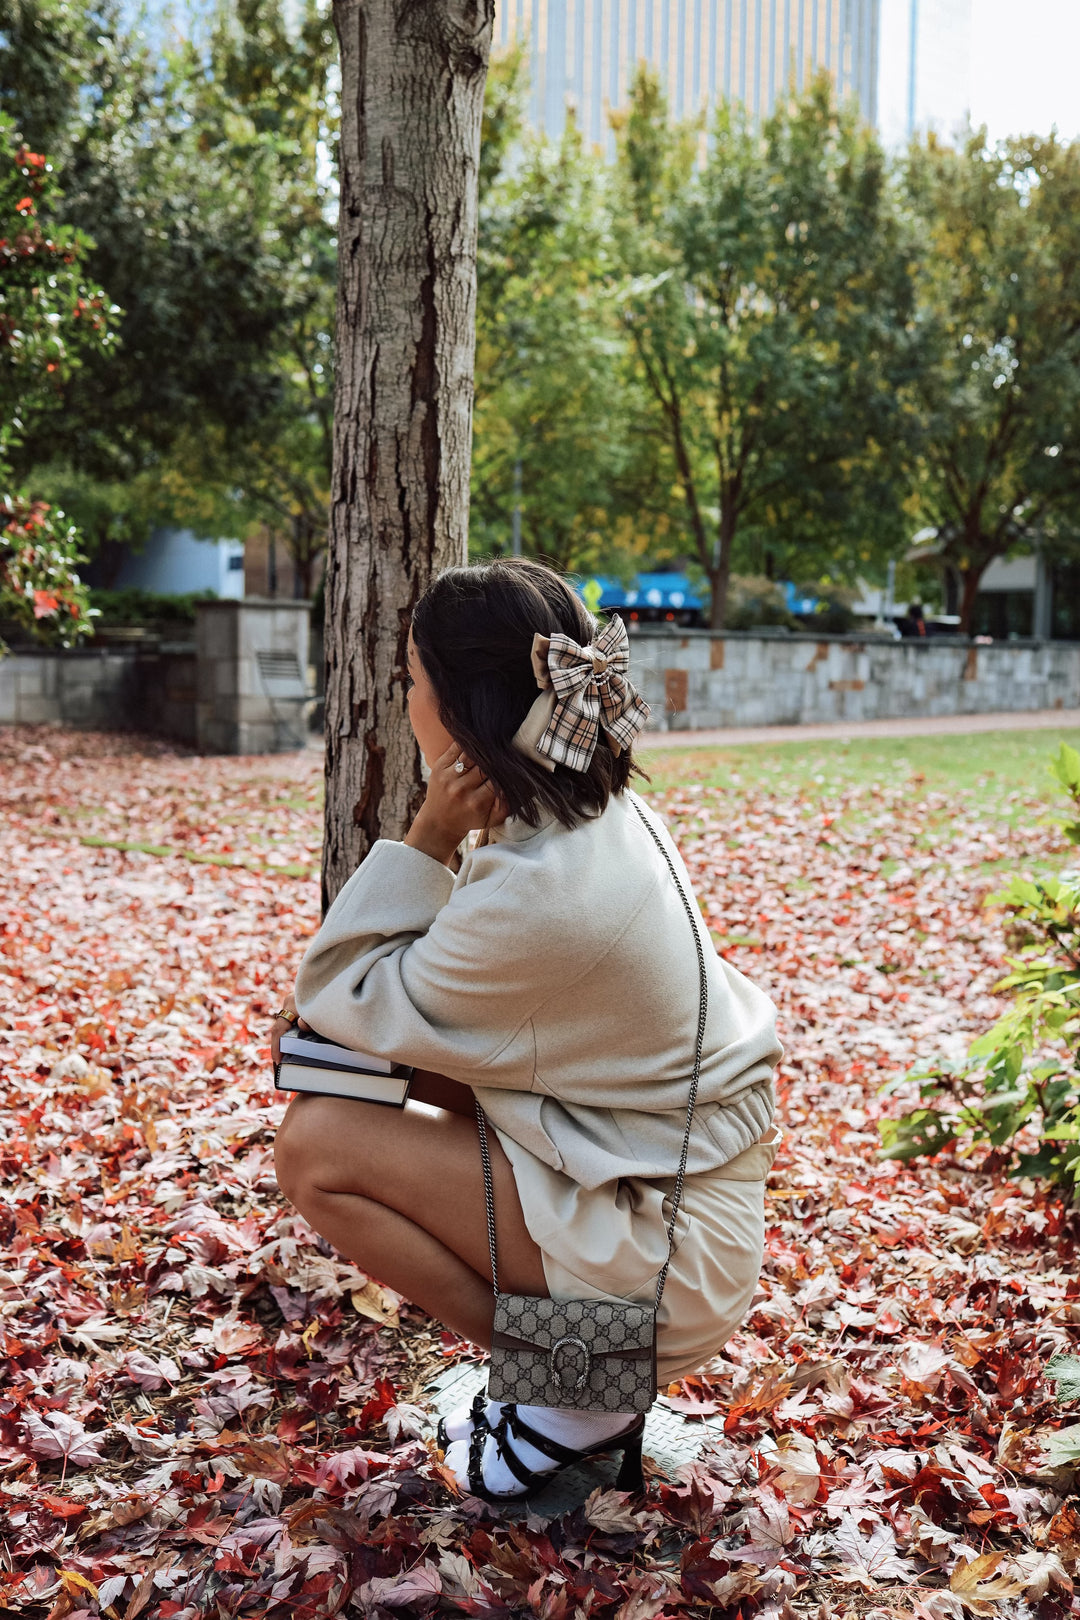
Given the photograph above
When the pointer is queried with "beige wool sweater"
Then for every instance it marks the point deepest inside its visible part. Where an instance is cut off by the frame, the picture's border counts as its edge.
(557, 976)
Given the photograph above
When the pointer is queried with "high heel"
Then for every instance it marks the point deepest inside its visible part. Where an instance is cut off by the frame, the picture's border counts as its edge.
(512, 1425)
(630, 1476)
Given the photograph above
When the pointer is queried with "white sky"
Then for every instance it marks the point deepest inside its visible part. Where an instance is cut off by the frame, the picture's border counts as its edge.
(1025, 66)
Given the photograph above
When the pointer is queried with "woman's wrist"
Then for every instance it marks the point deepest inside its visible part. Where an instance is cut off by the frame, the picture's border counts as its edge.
(431, 839)
(459, 800)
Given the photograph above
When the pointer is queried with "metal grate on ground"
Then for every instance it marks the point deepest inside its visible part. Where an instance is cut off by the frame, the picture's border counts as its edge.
(670, 1442)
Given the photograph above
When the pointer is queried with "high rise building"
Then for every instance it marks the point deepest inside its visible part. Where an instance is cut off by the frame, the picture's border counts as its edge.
(924, 80)
(583, 53)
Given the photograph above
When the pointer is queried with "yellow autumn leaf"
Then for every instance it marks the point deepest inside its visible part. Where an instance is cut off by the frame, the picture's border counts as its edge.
(73, 1583)
(375, 1302)
(971, 1582)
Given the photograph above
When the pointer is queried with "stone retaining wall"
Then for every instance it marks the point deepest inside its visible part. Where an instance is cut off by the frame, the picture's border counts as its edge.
(166, 705)
(703, 680)
(220, 697)
(106, 689)
(240, 687)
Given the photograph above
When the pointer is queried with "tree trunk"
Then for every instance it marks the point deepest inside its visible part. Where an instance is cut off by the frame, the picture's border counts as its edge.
(411, 102)
(719, 579)
(970, 578)
(720, 573)
(308, 538)
(305, 568)
(976, 556)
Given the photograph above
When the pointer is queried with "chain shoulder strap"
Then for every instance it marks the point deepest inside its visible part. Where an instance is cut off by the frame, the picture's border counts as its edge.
(703, 1010)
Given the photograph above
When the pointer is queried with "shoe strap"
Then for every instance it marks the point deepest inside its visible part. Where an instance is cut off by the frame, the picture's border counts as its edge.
(474, 1471)
(540, 1442)
(475, 1467)
(520, 1470)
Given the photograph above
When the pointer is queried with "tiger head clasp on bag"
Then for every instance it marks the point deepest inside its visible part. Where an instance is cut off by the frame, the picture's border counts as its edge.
(557, 1372)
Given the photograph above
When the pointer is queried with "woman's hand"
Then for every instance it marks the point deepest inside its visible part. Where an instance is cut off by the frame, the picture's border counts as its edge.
(282, 1026)
(457, 803)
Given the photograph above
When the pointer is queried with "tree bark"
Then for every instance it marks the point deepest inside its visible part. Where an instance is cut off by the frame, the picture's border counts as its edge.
(719, 580)
(306, 547)
(412, 94)
(720, 571)
(971, 577)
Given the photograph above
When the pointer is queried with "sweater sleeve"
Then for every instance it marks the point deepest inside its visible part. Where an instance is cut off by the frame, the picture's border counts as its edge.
(409, 966)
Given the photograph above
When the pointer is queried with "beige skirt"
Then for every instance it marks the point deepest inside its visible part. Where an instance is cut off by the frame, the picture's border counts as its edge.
(609, 1243)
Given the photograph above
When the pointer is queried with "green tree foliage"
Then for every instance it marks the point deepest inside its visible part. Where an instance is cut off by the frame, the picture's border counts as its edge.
(199, 170)
(990, 448)
(760, 351)
(47, 52)
(51, 316)
(264, 108)
(767, 309)
(552, 431)
(1022, 1077)
(179, 248)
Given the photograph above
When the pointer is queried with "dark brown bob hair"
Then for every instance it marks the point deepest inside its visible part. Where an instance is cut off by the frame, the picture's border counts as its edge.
(473, 629)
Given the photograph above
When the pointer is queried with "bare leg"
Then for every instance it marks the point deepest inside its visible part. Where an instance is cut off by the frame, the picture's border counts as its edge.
(401, 1192)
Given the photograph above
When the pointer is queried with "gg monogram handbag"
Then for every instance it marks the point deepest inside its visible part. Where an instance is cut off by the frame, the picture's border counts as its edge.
(588, 1355)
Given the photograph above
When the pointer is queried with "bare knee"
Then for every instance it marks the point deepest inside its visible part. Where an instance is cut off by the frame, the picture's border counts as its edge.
(300, 1145)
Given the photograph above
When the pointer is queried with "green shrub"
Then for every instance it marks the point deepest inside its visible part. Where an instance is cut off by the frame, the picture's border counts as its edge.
(133, 606)
(833, 614)
(1024, 1073)
(754, 600)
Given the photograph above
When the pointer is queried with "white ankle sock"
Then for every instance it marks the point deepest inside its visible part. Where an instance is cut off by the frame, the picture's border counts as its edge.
(459, 1425)
(569, 1428)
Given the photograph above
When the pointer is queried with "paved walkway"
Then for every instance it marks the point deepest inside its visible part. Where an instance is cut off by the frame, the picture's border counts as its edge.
(955, 725)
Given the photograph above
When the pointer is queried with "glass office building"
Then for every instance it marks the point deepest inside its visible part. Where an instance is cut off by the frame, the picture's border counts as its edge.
(925, 75)
(583, 53)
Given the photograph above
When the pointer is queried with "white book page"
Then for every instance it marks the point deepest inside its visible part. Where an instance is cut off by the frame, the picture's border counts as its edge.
(297, 1045)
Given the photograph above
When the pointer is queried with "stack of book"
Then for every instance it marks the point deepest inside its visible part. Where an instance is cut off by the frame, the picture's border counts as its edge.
(310, 1062)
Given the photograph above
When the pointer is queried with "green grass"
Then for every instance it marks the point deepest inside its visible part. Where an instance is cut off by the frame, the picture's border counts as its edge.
(987, 765)
(130, 846)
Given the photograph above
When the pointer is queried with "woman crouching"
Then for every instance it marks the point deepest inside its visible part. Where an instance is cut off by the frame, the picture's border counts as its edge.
(556, 985)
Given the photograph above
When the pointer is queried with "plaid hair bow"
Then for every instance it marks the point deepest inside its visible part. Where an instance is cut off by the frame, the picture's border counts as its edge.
(585, 689)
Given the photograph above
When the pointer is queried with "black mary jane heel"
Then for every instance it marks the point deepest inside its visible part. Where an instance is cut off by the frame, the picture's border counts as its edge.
(513, 1426)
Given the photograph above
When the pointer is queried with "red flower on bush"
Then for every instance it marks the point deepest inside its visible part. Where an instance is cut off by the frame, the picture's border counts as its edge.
(40, 586)
(48, 319)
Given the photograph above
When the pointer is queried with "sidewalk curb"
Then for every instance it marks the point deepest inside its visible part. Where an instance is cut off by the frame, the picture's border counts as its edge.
(946, 725)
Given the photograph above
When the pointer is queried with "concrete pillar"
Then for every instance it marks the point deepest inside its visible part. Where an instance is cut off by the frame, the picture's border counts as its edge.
(251, 682)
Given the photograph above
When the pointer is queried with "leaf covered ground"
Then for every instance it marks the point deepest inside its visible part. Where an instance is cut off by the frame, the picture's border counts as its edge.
(206, 1412)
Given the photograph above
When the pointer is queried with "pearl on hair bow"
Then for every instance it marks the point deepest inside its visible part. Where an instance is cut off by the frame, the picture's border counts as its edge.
(586, 690)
